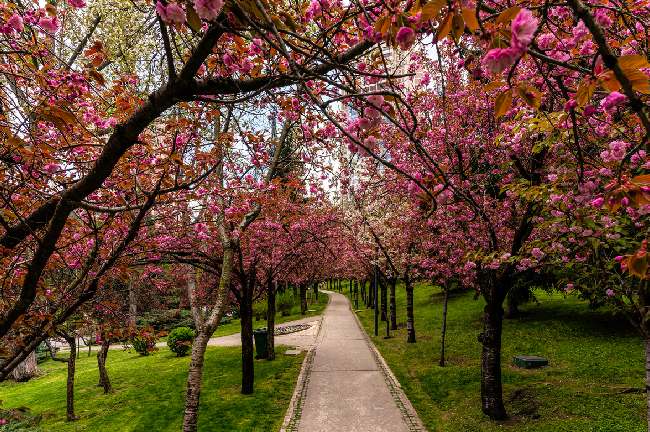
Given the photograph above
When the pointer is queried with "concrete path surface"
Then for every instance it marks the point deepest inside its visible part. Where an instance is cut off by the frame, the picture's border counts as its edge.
(345, 385)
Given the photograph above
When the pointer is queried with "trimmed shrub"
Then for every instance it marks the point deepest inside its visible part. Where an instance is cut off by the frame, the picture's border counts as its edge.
(144, 342)
(180, 340)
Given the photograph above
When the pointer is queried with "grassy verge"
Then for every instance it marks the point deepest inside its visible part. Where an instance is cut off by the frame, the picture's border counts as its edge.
(315, 307)
(149, 393)
(595, 358)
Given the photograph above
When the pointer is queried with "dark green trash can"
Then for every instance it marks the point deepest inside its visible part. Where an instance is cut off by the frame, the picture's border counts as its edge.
(261, 342)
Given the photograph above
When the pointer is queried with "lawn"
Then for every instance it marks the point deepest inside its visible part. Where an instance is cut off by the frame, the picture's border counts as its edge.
(315, 307)
(149, 393)
(594, 358)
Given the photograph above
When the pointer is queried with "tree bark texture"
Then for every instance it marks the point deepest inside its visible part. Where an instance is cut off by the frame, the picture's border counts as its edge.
(410, 318)
(443, 332)
(102, 354)
(26, 369)
(491, 387)
(270, 320)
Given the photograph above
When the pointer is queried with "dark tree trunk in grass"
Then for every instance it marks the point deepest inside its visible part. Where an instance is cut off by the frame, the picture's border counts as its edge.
(247, 347)
(384, 299)
(491, 388)
(410, 318)
(303, 298)
(513, 308)
(194, 376)
(647, 379)
(72, 360)
(102, 354)
(443, 332)
(270, 320)
(393, 304)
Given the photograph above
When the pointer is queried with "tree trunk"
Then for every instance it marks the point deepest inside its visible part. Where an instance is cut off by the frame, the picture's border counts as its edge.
(194, 376)
(72, 360)
(647, 378)
(316, 290)
(303, 298)
(102, 354)
(513, 308)
(247, 347)
(410, 318)
(384, 300)
(393, 305)
(443, 333)
(133, 305)
(26, 369)
(491, 388)
(270, 320)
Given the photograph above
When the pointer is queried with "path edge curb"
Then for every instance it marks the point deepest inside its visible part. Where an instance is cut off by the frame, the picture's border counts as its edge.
(294, 412)
(409, 415)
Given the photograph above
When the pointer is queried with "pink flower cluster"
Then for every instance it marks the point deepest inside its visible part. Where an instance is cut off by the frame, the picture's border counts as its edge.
(208, 9)
(171, 14)
(14, 24)
(523, 29)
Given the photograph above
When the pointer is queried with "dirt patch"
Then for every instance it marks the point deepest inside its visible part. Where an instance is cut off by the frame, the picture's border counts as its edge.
(523, 403)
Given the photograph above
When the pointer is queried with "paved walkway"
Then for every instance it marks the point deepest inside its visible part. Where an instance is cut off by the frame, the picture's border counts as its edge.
(345, 384)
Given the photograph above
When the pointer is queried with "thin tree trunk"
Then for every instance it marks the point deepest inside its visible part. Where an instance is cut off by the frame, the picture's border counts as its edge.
(393, 305)
(303, 298)
(133, 305)
(102, 354)
(270, 320)
(647, 378)
(72, 360)
(444, 327)
(384, 300)
(247, 347)
(410, 318)
(194, 376)
(491, 387)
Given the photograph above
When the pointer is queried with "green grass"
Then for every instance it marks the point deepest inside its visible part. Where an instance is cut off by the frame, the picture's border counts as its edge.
(593, 356)
(149, 393)
(315, 307)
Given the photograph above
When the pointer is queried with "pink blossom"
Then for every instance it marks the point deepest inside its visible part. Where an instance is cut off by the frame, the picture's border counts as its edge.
(51, 168)
(15, 23)
(405, 37)
(523, 29)
(612, 101)
(598, 202)
(610, 292)
(77, 3)
(171, 14)
(208, 9)
(49, 24)
(537, 253)
(497, 59)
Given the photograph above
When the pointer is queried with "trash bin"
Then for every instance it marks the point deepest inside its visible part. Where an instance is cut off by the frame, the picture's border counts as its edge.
(261, 342)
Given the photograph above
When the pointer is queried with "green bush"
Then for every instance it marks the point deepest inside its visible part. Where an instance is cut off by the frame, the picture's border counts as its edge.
(180, 340)
(166, 319)
(260, 309)
(285, 303)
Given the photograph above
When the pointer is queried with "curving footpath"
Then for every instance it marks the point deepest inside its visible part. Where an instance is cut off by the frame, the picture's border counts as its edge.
(345, 385)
